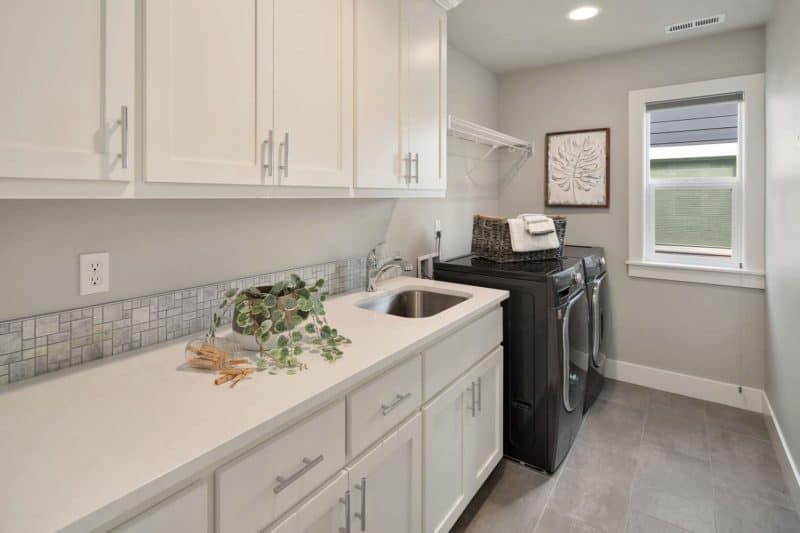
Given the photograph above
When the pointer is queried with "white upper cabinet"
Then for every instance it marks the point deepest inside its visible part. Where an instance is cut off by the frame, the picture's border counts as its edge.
(401, 48)
(249, 92)
(314, 92)
(208, 90)
(380, 71)
(67, 71)
(240, 98)
(426, 84)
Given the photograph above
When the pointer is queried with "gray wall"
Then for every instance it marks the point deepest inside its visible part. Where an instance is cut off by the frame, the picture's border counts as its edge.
(159, 245)
(783, 228)
(682, 327)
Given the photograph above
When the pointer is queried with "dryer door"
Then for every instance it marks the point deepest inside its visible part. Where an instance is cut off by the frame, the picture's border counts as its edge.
(574, 349)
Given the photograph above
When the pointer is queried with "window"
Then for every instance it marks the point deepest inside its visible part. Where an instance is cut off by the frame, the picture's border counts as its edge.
(697, 180)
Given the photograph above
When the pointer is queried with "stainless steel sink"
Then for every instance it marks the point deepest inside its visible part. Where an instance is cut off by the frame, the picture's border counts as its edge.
(414, 303)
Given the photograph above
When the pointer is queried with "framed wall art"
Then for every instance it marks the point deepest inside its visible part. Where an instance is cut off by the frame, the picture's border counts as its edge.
(577, 168)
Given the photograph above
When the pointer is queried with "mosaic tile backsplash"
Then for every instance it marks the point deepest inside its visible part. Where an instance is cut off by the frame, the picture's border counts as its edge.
(40, 344)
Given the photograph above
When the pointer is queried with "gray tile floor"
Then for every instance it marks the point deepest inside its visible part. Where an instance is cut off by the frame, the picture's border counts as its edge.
(646, 461)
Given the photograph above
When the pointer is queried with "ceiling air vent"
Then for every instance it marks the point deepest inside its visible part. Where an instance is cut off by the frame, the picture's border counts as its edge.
(694, 24)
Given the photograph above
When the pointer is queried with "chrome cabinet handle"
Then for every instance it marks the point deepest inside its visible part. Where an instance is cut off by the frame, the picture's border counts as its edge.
(308, 464)
(398, 399)
(362, 516)
(266, 146)
(473, 405)
(284, 147)
(346, 502)
(410, 175)
(480, 395)
(416, 167)
(123, 127)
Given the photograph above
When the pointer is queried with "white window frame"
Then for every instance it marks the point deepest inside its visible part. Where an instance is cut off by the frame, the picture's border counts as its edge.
(745, 268)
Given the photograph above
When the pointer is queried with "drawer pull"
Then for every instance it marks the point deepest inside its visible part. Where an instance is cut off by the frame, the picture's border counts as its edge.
(362, 516)
(480, 395)
(308, 464)
(400, 398)
(473, 403)
(346, 502)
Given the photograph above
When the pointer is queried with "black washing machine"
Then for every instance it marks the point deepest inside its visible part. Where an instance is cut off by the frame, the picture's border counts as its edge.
(594, 266)
(545, 375)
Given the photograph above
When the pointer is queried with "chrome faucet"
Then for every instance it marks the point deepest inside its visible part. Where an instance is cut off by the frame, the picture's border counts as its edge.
(375, 271)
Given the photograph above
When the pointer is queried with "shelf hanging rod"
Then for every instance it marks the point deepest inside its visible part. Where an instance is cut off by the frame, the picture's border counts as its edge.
(464, 129)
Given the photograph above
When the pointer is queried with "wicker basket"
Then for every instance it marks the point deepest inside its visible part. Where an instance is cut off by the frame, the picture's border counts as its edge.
(491, 240)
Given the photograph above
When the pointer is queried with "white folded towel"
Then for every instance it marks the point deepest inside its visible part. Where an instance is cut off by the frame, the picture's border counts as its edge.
(523, 241)
(538, 224)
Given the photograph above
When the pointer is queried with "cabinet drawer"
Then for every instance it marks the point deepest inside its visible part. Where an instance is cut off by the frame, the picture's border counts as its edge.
(442, 363)
(186, 511)
(249, 493)
(384, 402)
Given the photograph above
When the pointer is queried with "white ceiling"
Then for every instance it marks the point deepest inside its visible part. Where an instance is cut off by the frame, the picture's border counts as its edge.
(507, 35)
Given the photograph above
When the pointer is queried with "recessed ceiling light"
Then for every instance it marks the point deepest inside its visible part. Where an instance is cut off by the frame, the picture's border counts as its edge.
(583, 13)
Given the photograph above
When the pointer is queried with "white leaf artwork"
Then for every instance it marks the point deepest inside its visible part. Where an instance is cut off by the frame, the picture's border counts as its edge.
(577, 168)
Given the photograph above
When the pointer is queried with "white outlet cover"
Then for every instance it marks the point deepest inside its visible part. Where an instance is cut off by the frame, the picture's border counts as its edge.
(95, 273)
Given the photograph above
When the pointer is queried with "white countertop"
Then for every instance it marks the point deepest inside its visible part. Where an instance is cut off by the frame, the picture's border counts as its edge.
(81, 447)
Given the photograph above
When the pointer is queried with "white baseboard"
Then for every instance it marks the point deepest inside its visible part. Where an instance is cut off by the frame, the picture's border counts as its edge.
(687, 385)
(788, 464)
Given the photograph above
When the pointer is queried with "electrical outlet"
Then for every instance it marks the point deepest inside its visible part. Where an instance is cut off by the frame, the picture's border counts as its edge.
(95, 273)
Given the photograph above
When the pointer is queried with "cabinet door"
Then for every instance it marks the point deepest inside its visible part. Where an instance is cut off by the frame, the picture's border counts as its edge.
(314, 92)
(381, 66)
(323, 512)
(208, 90)
(386, 483)
(483, 426)
(443, 461)
(427, 75)
(67, 70)
(185, 512)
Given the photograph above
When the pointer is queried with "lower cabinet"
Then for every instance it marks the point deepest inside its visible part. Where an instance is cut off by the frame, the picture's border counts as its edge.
(463, 442)
(483, 425)
(412, 467)
(185, 512)
(386, 483)
(324, 512)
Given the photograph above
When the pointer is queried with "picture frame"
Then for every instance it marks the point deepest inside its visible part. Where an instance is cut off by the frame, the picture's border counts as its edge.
(577, 168)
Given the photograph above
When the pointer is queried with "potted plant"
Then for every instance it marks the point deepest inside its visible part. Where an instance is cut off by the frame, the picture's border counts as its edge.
(281, 321)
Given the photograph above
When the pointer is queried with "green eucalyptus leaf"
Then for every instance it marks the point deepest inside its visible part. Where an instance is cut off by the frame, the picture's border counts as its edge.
(320, 282)
(310, 328)
(280, 326)
(290, 303)
(295, 279)
(303, 292)
(278, 315)
(266, 324)
(296, 320)
(298, 350)
(283, 340)
(297, 336)
(270, 300)
(284, 352)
